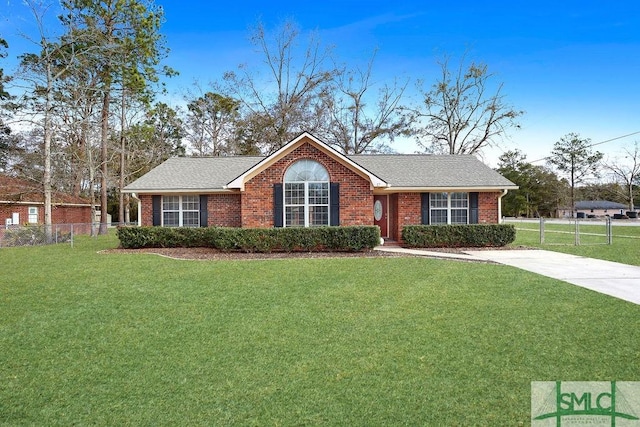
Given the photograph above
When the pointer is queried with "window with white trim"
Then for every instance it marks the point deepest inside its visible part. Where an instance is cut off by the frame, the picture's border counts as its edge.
(449, 208)
(306, 194)
(33, 215)
(180, 211)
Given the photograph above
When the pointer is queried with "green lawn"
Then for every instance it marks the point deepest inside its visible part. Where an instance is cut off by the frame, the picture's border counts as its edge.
(115, 339)
(625, 247)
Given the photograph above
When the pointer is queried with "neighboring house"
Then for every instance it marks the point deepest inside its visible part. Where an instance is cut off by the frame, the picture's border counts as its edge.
(22, 202)
(600, 207)
(308, 183)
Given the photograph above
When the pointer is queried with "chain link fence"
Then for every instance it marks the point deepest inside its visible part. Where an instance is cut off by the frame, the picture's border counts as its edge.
(579, 233)
(575, 231)
(36, 235)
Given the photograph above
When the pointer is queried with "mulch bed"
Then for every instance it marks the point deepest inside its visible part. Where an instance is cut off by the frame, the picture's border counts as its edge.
(213, 254)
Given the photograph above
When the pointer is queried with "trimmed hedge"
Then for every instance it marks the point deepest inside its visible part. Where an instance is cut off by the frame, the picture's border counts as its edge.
(313, 239)
(458, 236)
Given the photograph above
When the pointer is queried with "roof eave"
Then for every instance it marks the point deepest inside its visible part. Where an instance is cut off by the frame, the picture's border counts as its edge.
(426, 189)
(69, 204)
(178, 190)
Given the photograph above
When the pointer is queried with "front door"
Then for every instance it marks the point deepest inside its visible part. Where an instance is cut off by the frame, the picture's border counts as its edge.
(380, 214)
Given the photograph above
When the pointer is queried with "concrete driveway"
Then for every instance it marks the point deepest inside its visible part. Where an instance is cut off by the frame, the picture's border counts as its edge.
(609, 278)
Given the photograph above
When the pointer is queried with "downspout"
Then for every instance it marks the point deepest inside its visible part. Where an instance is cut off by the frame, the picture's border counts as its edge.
(504, 193)
(139, 203)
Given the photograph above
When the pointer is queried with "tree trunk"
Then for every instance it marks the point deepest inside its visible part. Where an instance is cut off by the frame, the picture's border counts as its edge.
(92, 181)
(573, 187)
(104, 139)
(127, 210)
(92, 173)
(48, 222)
(121, 203)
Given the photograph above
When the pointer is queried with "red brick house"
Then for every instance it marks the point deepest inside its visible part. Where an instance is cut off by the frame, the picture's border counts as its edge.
(22, 202)
(308, 183)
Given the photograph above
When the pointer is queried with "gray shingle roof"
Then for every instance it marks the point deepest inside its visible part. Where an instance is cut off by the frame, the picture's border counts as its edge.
(398, 170)
(422, 170)
(193, 173)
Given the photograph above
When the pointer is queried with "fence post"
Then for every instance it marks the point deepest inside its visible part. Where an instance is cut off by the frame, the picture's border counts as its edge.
(577, 237)
(609, 231)
(541, 230)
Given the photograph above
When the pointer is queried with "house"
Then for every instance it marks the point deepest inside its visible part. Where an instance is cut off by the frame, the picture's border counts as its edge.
(600, 208)
(308, 183)
(22, 202)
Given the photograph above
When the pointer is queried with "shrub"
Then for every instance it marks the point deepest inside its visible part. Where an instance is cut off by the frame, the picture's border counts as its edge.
(311, 239)
(475, 235)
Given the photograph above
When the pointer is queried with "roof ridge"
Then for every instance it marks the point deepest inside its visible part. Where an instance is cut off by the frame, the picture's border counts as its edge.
(412, 155)
(240, 156)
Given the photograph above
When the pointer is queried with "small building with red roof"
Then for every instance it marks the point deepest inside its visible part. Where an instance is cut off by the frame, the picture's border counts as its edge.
(22, 203)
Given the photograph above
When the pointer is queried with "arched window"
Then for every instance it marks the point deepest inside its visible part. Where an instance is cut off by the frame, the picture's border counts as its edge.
(306, 194)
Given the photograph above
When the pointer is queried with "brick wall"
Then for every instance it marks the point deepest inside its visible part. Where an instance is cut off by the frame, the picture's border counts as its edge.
(488, 208)
(254, 206)
(146, 202)
(407, 207)
(69, 215)
(6, 211)
(59, 214)
(393, 218)
(356, 195)
(408, 211)
(224, 210)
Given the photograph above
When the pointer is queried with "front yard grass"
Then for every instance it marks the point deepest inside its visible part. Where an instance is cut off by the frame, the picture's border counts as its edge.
(115, 339)
(560, 237)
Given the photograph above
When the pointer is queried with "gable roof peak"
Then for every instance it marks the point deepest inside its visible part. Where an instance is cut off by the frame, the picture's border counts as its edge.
(263, 164)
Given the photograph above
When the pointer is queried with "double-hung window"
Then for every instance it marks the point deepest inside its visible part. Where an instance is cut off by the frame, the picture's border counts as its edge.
(449, 208)
(306, 194)
(33, 215)
(181, 211)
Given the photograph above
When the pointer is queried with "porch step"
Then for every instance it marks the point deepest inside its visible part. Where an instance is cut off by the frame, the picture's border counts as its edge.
(391, 243)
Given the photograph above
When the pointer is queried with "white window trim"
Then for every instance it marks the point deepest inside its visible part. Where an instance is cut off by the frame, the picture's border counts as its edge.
(310, 169)
(449, 208)
(180, 211)
(306, 204)
(32, 214)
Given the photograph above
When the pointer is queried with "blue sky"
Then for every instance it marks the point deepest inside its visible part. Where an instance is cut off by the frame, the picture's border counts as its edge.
(572, 66)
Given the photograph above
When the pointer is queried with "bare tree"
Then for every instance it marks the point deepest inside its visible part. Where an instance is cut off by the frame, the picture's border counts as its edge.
(627, 171)
(283, 104)
(461, 114)
(44, 71)
(3, 78)
(355, 126)
(6, 138)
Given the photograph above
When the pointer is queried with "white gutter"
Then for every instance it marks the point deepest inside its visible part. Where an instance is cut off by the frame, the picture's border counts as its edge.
(467, 189)
(182, 191)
